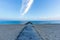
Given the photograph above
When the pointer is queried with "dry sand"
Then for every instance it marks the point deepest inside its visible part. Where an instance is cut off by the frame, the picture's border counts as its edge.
(47, 31)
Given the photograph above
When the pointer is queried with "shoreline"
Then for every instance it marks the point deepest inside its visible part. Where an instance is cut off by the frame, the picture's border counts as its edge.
(47, 31)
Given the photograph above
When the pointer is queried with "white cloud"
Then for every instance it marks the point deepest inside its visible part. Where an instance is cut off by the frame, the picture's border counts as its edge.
(26, 4)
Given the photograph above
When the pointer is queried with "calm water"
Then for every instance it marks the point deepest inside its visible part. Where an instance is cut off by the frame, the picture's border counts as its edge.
(34, 22)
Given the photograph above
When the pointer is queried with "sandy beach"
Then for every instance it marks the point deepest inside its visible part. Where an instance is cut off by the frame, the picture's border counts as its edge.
(47, 31)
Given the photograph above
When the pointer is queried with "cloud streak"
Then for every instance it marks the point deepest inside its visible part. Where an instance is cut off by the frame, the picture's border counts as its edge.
(26, 4)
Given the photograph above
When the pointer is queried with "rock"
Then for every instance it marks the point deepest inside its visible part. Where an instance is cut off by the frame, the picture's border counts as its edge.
(29, 33)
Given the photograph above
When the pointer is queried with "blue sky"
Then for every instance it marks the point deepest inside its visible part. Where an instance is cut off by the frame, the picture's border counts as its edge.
(40, 10)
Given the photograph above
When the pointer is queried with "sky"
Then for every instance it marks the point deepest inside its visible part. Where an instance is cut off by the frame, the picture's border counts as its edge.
(38, 10)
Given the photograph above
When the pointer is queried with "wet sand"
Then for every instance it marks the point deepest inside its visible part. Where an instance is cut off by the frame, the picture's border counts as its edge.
(47, 31)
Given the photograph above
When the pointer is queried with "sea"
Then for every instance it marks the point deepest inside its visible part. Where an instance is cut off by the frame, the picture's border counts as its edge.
(33, 22)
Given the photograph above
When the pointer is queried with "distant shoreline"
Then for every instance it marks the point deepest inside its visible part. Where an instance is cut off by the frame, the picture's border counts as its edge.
(34, 22)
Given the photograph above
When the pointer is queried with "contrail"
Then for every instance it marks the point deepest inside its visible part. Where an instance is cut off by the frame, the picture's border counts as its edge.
(26, 4)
